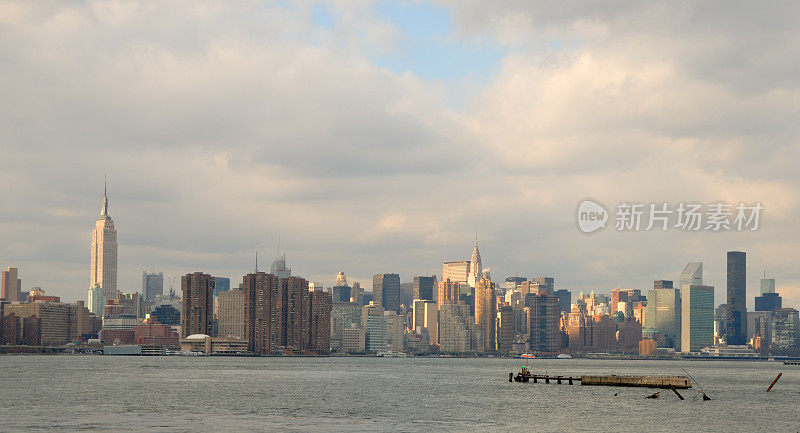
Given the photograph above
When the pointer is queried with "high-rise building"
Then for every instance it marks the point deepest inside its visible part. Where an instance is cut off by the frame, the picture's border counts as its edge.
(292, 322)
(343, 315)
(475, 267)
(546, 284)
(374, 325)
(768, 302)
(456, 271)
(260, 292)
(697, 317)
(152, 285)
(197, 316)
(386, 289)
(96, 300)
(319, 323)
(767, 285)
(692, 274)
(230, 313)
(221, 284)
(424, 288)
(661, 284)
(785, 328)
(103, 253)
(505, 329)
(455, 328)
(485, 311)
(341, 293)
(564, 300)
(279, 268)
(449, 292)
(623, 300)
(341, 279)
(544, 320)
(11, 285)
(356, 293)
(59, 323)
(736, 312)
(663, 313)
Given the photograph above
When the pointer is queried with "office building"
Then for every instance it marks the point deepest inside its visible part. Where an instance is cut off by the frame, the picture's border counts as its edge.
(424, 288)
(221, 284)
(374, 325)
(544, 318)
(692, 274)
(662, 284)
(564, 300)
(475, 267)
(152, 285)
(768, 301)
(103, 266)
(341, 294)
(167, 314)
(785, 328)
(505, 329)
(11, 285)
(456, 271)
(546, 284)
(292, 318)
(736, 307)
(60, 323)
(343, 315)
(697, 317)
(395, 331)
(455, 326)
(230, 313)
(353, 340)
(767, 285)
(197, 315)
(624, 300)
(96, 300)
(279, 268)
(486, 311)
(663, 314)
(448, 292)
(386, 290)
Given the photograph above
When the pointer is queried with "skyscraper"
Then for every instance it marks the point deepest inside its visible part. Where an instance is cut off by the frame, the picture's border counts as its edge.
(96, 300)
(486, 311)
(386, 289)
(152, 285)
(103, 252)
(197, 315)
(767, 285)
(456, 271)
(692, 274)
(221, 284)
(546, 284)
(279, 268)
(230, 313)
(475, 266)
(11, 285)
(260, 292)
(663, 313)
(736, 310)
(697, 317)
(424, 288)
(449, 292)
(543, 322)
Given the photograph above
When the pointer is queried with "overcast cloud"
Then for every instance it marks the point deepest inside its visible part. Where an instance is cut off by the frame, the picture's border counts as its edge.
(222, 123)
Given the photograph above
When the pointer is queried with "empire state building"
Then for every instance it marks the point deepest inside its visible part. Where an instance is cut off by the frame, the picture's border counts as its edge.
(104, 253)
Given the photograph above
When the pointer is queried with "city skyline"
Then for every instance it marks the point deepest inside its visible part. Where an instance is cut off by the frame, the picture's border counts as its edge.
(388, 151)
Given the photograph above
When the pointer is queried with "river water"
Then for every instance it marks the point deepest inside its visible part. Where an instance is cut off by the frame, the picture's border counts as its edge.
(73, 392)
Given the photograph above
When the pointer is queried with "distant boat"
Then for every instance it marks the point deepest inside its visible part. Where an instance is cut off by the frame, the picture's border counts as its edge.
(528, 355)
(564, 356)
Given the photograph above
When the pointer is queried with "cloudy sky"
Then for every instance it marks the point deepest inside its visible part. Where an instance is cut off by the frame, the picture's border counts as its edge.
(382, 136)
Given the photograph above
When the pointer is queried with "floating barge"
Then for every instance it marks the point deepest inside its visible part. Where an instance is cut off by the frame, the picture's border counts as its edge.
(662, 382)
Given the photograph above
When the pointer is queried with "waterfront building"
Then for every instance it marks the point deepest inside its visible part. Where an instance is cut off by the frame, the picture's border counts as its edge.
(692, 274)
(485, 310)
(785, 328)
(60, 323)
(152, 285)
(455, 325)
(260, 290)
(456, 271)
(151, 333)
(343, 315)
(545, 315)
(11, 285)
(221, 284)
(103, 266)
(386, 289)
(736, 307)
(203, 343)
(697, 317)
(663, 313)
(374, 324)
(395, 331)
(424, 288)
(230, 313)
(197, 315)
(353, 339)
(10, 330)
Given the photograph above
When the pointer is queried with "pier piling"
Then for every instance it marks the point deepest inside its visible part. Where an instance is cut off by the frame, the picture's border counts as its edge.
(773, 381)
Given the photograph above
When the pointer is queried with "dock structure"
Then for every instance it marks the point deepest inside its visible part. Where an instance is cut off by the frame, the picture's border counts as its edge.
(663, 382)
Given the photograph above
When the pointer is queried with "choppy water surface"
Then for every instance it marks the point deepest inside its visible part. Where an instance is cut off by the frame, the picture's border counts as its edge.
(380, 394)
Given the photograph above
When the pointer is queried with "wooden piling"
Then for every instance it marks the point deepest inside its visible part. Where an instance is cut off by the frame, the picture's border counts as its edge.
(510, 377)
(773, 381)
(677, 393)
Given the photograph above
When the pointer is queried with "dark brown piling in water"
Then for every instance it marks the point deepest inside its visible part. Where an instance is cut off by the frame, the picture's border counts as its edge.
(677, 393)
(773, 381)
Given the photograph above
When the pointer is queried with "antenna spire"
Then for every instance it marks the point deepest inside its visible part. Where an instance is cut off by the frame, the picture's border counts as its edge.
(104, 211)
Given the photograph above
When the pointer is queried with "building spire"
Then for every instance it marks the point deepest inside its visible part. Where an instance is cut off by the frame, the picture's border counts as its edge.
(104, 211)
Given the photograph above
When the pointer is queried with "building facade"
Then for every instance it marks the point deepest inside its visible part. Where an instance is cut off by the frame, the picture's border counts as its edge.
(197, 315)
(103, 266)
(697, 317)
(386, 289)
(11, 285)
(736, 307)
(230, 313)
